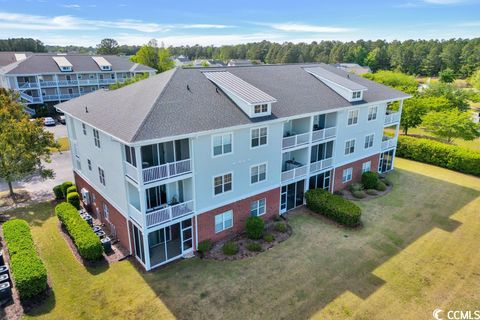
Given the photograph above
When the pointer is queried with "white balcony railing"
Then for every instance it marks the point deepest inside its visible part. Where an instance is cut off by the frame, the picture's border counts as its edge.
(321, 165)
(29, 98)
(323, 134)
(135, 214)
(106, 81)
(131, 171)
(167, 170)
(67, 83)
(27, 85)
(393, 117)
(389, 143)
(48, 83)
(294, 173)
(296, 140)
(169, 213)
(63, 96)
(88, 82)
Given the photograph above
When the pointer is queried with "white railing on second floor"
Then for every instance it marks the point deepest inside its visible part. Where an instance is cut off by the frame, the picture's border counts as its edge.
(296, 140)
(389, 143)
(27, 85)
(392, 117)
(48, 83)
(167, 170)
(323, 134)
(63, 96)
(169, 213)
(67, 83)
(321, 165)
(135, 214)
(88, 82)
(131, 171)
(294, 173)
(106, 81)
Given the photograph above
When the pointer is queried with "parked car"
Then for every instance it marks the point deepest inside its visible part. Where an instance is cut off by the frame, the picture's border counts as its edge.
(48, 121)
(61, 119)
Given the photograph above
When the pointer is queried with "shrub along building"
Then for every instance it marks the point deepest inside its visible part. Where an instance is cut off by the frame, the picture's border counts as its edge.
(189, 154)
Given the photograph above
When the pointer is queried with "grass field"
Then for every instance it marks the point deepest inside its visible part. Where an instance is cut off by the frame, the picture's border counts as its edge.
(417, 251)
(473, 144)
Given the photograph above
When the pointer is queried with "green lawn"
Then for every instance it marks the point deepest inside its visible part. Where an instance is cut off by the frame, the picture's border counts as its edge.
(418, 250)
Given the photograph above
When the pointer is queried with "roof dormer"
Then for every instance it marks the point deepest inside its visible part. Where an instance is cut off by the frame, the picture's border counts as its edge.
(253, 101)
(63, 64)
(102, 63)
(343, 85)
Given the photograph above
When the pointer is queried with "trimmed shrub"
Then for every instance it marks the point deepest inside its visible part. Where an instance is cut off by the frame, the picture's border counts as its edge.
(355, 187)
(386, 180)
(254, 247)
(71, 189)
(88, 244)
(439, 154)
(74, 199)
(334, 207)
(65, 186)
(281, 227)
(338, 192)
(372, 192)
(268, 237)
(28, 271)
(230, 248)
(205, 246)
(359, 194)
(254, 227)
(57, 191)
(381, 186)
(369, 180)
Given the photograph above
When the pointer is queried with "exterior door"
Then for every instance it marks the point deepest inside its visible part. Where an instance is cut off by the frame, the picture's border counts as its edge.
(187, 235)
(291, 196)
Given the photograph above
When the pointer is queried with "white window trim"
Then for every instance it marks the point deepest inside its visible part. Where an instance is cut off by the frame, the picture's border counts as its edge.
(99, 179)
(351, 174)
(345, 146)
(257, 202)
(369, 166)
(223, 221)
(212, 145)
(348, 116)
(266, 173)
(373, 141)
(376, 113)
(251, 137)
(213, 185)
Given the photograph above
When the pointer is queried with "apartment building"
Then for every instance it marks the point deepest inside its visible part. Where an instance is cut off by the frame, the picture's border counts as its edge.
(189, 154)
(52, 78)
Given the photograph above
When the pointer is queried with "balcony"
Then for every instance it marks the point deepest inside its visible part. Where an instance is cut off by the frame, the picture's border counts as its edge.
(48, 83)
(321, 165)
(106, 81)
(388, 142)
(27, 85)
(323, 134)
(295, 173)
(88, 82)
(295, 140)
(392, 118)
(29, 98)
(168, 170)
(63, 96)
(135, 214)
(169, 213)
(63, 83)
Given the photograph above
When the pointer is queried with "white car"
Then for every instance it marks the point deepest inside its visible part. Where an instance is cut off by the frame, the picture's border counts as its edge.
(48, 121)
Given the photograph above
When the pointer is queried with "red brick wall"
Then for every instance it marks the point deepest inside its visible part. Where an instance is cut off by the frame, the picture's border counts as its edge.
(115, 217)
(357, 171)
(241, 211)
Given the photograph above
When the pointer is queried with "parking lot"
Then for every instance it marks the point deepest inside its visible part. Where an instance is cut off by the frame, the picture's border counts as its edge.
(59, 130)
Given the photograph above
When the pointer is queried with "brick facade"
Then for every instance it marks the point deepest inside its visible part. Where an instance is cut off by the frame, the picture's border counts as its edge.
(357, 171)
(241, 211)
(96, 208)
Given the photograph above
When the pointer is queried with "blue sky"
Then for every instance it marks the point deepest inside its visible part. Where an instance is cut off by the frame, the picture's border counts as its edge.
(225, 22)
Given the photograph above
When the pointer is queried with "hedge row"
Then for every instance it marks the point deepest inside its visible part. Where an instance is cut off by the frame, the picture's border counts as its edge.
(87, 242)
(439, 154)
(333, 207)
(28, 270)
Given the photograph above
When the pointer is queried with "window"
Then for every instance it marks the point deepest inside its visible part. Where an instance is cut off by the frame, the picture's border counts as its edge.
(222, 144)
(372, 113)
(366, 166)
(106, 213)
(356, 95)
(369, 141)
(130, 156)
(259, 137)
(349, 146)
(347, 175)
(257, 208)
(352, 117)
(223, 221)
(96, 138)
(89, 162)
(222, 183)
(258, 173)
(84, 128)
(261, 108)
(101, 175)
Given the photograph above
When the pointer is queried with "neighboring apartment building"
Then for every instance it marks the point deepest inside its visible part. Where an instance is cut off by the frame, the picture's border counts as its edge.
(53, 78)
(189, 154)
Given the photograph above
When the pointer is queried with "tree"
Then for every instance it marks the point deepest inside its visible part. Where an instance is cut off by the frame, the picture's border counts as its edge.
(24, 144)
(456, 96)
(107, 46)
(475, 79)
(147, 55)
(447, 75)
(451, 124)
(397, 80)
(412, 113)
(165, 62)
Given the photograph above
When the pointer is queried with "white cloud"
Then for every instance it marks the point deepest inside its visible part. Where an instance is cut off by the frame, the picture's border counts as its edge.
(71, 6)
(297, 27)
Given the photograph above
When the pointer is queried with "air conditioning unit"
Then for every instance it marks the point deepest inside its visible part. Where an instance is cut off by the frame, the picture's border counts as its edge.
(85, 196)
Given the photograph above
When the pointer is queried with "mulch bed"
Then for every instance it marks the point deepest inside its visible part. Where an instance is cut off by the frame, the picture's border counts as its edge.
(242, 241)
(349, 196)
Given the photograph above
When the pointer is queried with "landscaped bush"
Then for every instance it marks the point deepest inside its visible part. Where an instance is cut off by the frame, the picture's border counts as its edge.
(230, 248)
(359, 194)
(333, 207)
(381, 186)
(204, 246)
(254, 247)
(71, 189)
(281, 227)
(65, 186)
(355, 187)
(369, 180)
(386, 180)
(74, 199)
(371, 192)
(57, 191)
(439, 154)
(254, 227)
(28, 271)
(268, 237)
(88, 244)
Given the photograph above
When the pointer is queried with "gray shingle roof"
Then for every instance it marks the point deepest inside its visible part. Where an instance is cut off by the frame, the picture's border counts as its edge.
(161, 106)
(7, 58)
(343, 81)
